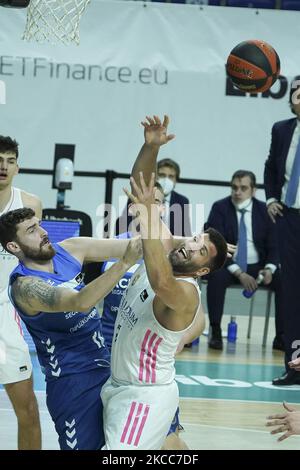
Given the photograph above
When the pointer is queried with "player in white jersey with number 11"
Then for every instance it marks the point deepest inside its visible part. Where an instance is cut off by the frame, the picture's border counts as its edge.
(160, 305)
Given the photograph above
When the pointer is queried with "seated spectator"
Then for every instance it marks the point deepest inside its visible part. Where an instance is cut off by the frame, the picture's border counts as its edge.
(243, 220)
(176, 214)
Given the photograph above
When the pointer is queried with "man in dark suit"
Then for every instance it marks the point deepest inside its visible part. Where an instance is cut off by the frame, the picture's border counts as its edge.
(176, 212)
(243, 221)
(282, 173)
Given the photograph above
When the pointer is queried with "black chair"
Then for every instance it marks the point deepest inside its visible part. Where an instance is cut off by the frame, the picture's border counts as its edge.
(269, 293)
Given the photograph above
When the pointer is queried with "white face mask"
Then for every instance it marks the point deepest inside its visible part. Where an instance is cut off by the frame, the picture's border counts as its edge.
(167, 185)
(244, 204)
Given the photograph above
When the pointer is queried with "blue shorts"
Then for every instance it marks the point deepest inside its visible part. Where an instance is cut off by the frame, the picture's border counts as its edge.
(76, 408)
(175, 425)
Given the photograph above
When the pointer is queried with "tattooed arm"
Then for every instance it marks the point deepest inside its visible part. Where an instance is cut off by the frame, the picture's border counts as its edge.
(33, 295)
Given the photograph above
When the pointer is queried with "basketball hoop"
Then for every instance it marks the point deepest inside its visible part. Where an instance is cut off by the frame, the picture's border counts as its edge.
(54, 21)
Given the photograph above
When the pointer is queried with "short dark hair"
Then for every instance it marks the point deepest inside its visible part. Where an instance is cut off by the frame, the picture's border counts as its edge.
(242, 173)
(171, 164)
(9, 145)
(9, 224)
(295, 85)
(221, 246)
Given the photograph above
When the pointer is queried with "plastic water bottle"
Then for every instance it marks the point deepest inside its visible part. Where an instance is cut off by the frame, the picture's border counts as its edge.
(193, 343)
(248, 293)
(232, 330)
(196, 341)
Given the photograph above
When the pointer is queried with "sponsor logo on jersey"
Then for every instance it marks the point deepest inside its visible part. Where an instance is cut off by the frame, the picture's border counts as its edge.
(70, 315)
(128, 314)
(144, 295)
(23, 368)
(84, 320)
(79, 278)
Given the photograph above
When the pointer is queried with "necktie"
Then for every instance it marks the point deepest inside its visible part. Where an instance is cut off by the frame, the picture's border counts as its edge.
(241, 257)
(291, 193)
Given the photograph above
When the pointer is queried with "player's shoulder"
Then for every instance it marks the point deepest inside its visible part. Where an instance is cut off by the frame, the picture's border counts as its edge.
(189, 286)
(32, 201)
(28, 197)
(22, 283)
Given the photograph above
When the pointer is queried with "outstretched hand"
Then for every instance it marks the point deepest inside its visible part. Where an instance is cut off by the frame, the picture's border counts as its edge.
(133, 252)
(144, 194)
(155, 131)
(144, 207)
(287, 423)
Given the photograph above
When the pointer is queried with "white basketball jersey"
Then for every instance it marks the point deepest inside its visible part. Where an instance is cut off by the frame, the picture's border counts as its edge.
(7, 261)
(143, 350)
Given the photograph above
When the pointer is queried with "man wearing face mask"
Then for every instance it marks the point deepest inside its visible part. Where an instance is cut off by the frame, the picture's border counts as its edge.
(243, 220)
(176, 212)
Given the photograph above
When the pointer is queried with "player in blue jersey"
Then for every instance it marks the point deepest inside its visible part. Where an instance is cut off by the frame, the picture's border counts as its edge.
(48, 292)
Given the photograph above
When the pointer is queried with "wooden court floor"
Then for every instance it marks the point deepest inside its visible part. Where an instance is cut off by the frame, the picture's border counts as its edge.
(225, 396)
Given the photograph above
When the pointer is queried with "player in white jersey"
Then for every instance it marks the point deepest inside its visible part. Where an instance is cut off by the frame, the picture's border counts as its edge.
(111, 305)
(161, 304)
(15, 363)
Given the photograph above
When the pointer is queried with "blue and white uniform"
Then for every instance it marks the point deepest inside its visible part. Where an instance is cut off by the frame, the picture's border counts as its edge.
(72, 351)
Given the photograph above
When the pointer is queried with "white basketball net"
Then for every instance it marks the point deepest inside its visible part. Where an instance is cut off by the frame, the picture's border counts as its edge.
(54, 20)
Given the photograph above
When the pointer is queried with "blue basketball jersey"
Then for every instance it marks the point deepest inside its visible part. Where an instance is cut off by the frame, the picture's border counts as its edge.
(113, 299)
(66, 342)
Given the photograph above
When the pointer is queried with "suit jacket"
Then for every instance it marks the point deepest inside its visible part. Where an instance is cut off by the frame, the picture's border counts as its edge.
(223, 218)
(182, 229)
(282, 133)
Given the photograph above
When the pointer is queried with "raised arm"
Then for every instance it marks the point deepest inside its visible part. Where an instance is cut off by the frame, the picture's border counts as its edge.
(87, 249)
(155, 133)
(171, 294)
(33, 295)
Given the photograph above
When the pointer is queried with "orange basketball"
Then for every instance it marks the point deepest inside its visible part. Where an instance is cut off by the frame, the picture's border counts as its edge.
(253, 66)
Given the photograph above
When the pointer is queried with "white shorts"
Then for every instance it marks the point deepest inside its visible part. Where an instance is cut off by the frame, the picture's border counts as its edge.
(137, 417)
(15, 362)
